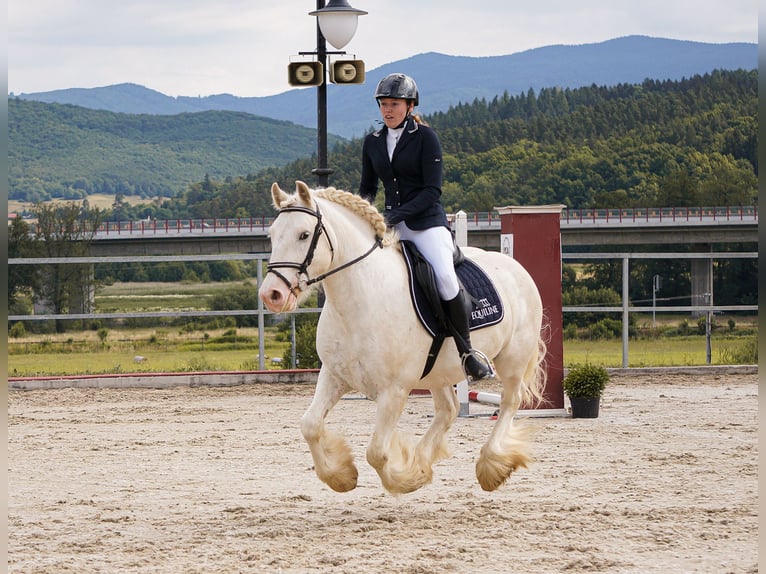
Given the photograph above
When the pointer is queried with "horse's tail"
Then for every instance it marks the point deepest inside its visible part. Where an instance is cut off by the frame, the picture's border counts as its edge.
(536, 375)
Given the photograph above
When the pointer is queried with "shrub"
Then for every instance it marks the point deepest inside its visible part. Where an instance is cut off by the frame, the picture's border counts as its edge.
(585, 381)
(747, 354)
(606, 328)
(570, 331)
(17, 330)
(305, 347)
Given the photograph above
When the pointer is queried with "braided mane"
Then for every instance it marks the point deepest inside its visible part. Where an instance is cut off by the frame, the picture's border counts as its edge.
(361, 207)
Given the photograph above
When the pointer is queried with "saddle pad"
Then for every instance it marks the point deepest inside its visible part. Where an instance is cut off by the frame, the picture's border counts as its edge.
(487, 306)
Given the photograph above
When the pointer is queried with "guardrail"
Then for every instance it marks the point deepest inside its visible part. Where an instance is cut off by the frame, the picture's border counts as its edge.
(478, 219)
(664, 214)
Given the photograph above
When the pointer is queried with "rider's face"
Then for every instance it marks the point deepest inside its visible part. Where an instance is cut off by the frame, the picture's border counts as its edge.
(394, 110)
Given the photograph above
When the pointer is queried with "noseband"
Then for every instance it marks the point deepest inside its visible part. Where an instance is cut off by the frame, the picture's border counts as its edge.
(319, 229)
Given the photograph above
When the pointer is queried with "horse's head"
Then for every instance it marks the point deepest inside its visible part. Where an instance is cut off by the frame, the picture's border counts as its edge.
(300, 249)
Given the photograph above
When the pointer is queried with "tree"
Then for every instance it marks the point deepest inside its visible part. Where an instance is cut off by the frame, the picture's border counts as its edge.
(21, 278)
(64, 230)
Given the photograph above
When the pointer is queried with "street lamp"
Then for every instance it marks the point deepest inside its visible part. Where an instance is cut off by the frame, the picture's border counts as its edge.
(336, 23)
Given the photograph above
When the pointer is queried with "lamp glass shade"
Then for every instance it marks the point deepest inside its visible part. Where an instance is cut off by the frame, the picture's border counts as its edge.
(338, 27)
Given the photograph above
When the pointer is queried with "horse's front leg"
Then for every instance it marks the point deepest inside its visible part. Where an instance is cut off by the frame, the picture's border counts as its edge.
(333, 460)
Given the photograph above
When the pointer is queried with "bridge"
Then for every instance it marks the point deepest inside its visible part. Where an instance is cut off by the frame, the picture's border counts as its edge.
(703, 226)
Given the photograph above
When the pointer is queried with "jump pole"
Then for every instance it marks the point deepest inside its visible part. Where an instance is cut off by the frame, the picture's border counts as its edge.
(460, 225)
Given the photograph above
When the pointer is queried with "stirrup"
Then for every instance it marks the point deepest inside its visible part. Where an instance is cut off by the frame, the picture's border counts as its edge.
(487, 364)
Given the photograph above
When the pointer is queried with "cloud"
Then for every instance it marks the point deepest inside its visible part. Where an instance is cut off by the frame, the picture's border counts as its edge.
(196, 47)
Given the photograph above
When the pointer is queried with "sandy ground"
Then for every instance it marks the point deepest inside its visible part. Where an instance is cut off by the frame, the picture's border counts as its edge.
(218, 480)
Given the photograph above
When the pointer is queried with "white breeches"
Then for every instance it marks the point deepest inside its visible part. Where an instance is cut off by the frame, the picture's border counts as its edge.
(436, 246)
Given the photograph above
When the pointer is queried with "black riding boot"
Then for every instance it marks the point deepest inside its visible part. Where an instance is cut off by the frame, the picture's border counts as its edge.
(475, 364)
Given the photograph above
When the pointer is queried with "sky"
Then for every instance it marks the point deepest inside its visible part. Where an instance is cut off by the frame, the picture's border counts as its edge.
(243, 47)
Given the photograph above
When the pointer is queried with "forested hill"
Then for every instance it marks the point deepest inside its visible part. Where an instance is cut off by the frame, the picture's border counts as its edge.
(669, 143)
(691, 142)
(68, 151)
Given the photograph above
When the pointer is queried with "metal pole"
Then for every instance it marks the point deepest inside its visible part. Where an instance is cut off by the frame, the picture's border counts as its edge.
(709, 317)
(322, 171)
(261, 330)
(292, 341)
(625, 313)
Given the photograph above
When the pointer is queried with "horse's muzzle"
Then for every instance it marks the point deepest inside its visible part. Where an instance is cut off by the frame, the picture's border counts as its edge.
(278, 297)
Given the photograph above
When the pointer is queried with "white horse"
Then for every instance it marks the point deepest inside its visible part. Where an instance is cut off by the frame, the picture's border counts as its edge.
(369, 340)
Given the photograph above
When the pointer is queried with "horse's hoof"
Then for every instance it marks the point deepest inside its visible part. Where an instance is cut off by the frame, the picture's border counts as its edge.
(341, 484)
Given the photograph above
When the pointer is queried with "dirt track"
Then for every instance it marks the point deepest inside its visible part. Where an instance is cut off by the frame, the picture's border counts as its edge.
(218, 480)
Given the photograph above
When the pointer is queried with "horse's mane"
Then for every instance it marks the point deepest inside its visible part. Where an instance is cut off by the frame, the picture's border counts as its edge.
(357, 204)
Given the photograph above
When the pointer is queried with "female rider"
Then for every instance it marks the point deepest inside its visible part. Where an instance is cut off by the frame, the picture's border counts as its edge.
(406, 156)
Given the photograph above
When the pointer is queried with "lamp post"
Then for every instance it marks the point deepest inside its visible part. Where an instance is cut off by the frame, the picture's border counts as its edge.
(336, 23)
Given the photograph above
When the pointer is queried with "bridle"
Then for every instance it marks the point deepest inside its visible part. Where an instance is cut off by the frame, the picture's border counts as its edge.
(319, 230)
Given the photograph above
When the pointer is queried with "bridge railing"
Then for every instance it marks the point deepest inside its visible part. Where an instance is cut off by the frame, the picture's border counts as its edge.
(661, 214)
(476, 219)
(168, 226)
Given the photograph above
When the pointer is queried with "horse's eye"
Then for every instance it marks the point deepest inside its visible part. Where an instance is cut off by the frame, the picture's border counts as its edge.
(304, 236)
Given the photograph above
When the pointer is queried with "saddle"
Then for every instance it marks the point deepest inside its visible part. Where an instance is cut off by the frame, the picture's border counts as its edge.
(487, 307)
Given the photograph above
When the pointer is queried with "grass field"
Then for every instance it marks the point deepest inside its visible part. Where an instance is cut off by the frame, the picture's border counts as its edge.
(661, 352)
(99, 200)
(190, 352)
(141, 350)
(134, 297)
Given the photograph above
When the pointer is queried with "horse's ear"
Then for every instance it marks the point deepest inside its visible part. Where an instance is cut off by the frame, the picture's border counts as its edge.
(278, 195)
(303, 192)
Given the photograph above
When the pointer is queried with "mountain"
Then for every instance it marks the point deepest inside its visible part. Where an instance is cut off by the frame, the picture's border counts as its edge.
(61, 150)
(444, 81)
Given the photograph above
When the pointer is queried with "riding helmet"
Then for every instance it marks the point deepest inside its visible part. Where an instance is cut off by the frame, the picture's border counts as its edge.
(397, 86)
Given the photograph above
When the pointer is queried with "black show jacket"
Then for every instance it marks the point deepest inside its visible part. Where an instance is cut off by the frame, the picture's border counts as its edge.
(412, 179)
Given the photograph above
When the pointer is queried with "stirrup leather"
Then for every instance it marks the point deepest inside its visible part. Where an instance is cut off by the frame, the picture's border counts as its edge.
(484, 359)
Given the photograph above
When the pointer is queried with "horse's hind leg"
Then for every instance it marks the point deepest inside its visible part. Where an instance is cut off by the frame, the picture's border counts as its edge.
(508, 446)
(333, 461)
(433, 446)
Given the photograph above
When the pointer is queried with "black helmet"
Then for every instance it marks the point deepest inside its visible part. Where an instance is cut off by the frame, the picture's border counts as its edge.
(397, 86)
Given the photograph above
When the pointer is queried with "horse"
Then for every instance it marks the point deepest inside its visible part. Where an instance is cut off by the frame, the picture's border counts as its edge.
(369, 340)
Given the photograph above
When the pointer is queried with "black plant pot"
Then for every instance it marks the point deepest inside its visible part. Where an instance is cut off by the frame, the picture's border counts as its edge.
(584, 407)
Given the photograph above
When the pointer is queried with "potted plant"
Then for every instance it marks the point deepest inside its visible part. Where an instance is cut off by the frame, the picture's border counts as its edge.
(584, 385)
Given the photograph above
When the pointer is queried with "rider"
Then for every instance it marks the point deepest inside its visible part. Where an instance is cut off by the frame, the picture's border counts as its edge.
(406, 156)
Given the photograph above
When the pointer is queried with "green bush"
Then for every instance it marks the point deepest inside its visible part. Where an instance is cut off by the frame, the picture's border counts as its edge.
(585, 381)
(305, 346)
(746, 354)
(17, 330)
(606, 328)
(570, 332)
(581, 296)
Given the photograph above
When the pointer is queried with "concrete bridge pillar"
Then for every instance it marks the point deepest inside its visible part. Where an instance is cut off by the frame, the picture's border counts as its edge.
(83, 298)
(701, 284)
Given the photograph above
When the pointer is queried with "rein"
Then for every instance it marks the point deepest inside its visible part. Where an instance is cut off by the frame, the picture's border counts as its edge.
(319, 229)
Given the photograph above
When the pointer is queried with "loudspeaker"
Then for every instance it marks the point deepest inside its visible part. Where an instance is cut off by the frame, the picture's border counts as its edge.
(305, 74)
(347, 72)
